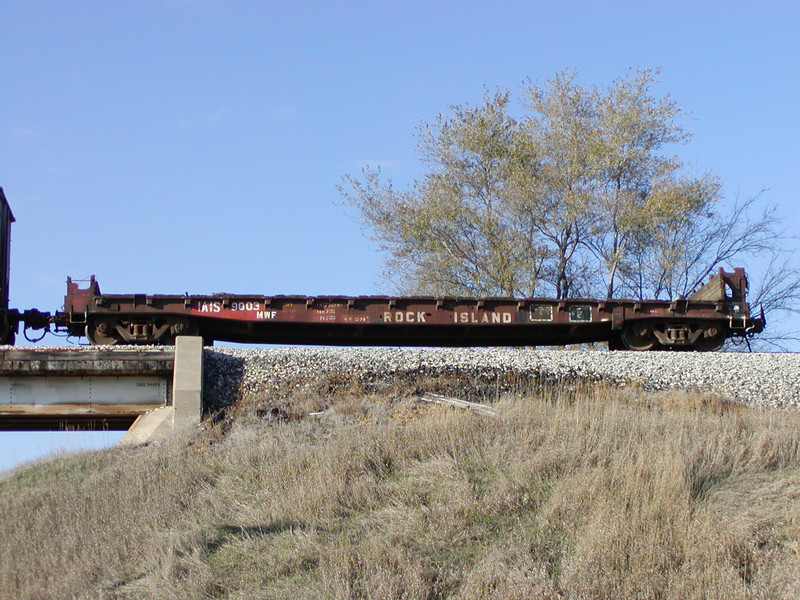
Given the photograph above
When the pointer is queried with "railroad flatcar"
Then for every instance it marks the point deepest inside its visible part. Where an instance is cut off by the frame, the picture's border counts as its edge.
(703, 321)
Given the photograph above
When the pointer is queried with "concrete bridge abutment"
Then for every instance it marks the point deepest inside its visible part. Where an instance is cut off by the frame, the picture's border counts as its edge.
(186, 410)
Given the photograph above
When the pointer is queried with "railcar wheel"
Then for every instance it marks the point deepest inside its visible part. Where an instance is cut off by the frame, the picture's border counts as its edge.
(102, 333)
(639, 336)
(712, 338)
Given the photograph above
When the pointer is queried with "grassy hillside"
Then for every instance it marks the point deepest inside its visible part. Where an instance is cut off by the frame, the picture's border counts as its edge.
(594, 493)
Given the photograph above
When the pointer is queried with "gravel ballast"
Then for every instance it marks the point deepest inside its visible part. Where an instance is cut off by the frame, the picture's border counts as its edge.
(759, 380)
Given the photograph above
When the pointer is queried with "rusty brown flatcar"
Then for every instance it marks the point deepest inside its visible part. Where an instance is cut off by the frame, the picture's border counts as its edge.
(703, 321)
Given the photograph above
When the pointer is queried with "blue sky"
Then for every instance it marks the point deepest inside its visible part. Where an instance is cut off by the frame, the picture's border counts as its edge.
(171, 146)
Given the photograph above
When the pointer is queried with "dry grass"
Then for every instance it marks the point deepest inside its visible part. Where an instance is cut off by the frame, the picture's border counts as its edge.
(587, 494)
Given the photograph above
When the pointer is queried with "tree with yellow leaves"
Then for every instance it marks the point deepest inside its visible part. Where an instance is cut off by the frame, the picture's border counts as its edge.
(577, 195)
